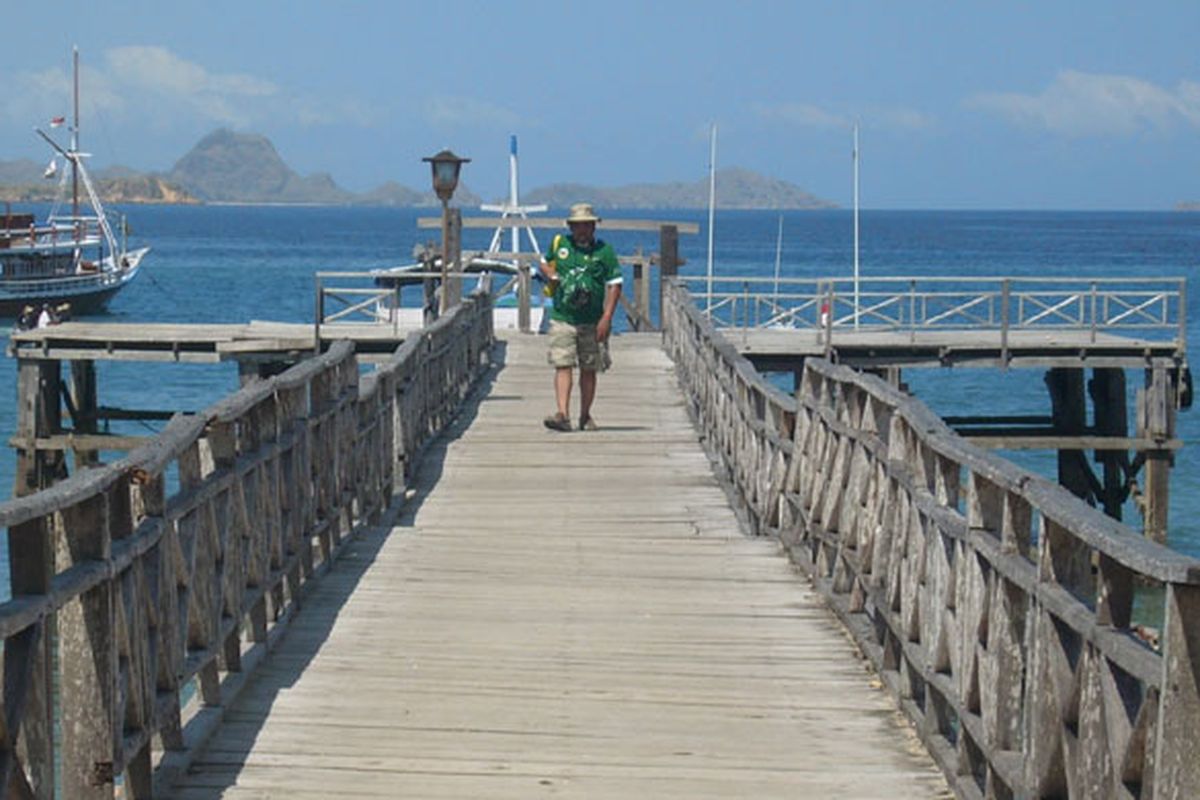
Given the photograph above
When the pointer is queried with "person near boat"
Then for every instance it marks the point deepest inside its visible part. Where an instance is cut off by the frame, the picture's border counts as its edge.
(585, 283)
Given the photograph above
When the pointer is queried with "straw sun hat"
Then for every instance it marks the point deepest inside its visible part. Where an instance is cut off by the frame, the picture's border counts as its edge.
(582, 212)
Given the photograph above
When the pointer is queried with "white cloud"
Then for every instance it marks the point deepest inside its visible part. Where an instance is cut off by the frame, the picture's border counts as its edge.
(1086, 104)
(228, 99)
(803, 115)
(456, 111)
(152, 85)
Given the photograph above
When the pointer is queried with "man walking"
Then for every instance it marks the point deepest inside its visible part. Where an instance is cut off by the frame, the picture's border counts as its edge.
(585, 281)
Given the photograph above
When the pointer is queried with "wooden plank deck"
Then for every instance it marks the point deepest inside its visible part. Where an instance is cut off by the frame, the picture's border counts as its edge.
(770, 348)
(566, 615)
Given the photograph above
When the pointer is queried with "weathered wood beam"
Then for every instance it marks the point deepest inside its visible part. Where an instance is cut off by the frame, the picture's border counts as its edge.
(558, 224)
(1001, 439)
(86, 442)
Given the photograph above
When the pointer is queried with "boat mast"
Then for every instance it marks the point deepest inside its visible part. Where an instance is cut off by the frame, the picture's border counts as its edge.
(512, 187)
(855, 224)
(513, 207)
(778, 260)
(712, 200)
(75, 139)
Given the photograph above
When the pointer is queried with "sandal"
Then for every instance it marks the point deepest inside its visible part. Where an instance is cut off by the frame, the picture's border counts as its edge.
(557, 422)
(587, 424)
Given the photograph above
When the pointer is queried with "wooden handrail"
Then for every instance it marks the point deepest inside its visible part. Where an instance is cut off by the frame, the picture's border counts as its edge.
(997, 607)
(147, 589)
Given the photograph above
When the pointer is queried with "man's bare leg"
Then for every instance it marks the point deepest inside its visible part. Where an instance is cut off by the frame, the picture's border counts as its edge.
(587, 392)
(562, 389)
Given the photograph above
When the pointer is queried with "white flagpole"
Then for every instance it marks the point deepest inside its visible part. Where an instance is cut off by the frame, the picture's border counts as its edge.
(856, 225)
(778, 257)
(513, 194)
(712, 199)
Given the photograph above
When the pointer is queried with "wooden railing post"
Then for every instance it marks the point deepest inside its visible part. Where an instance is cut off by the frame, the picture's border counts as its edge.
(524, 296)
(1177, 769)
(86, 630)
(28, 660)
(668, 260)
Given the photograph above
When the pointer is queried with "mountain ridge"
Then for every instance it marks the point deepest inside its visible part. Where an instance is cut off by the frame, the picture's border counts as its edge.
(226, 166)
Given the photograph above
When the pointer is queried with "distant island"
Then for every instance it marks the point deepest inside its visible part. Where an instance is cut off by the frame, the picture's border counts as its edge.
(230, 167)
(1188, 205)
(736, 188)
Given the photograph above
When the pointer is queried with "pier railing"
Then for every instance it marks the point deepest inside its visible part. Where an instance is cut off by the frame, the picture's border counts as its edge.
(1152, 306)
(1012, 621)
(171, 571)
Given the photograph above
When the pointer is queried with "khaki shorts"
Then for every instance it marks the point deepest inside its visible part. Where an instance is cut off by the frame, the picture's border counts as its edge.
(576, 346)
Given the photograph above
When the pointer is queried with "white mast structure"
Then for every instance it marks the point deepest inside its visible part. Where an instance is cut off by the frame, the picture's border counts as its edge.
(778, 262)
(855, 157)
(513, 208)
(712, 202)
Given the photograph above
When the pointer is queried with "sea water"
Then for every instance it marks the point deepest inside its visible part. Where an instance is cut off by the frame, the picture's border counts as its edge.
(214, 264)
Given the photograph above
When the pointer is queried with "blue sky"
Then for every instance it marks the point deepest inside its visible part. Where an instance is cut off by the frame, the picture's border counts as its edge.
(1027, 105)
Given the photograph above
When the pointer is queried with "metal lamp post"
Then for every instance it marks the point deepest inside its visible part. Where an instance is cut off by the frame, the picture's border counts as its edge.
(445, 167)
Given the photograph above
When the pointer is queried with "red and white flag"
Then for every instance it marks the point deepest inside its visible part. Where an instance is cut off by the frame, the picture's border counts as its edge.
(56, 121)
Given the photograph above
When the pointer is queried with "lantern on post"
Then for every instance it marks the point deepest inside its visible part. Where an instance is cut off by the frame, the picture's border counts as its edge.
(445, 167)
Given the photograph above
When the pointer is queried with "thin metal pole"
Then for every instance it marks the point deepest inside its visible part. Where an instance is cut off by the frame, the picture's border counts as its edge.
(778, 258)
(1181, 342)
(712, 200)
(75, 138)
(855, 158)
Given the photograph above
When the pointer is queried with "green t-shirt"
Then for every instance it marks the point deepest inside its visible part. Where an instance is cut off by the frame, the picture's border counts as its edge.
(584, 275)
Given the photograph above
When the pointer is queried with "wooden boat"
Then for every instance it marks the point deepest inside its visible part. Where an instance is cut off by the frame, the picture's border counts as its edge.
(72, 257)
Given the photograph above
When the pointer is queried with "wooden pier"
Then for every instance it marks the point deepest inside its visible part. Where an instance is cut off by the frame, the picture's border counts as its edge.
(574, 615)
(397, 582)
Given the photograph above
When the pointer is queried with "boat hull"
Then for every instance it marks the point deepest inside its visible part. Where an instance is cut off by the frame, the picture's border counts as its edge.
(85, 293)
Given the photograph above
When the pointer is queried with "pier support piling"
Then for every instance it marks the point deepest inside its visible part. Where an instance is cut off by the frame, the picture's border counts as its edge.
(84, 407)
(1156, 420)
(1069, 405)
(1107, 389)
(39, 415)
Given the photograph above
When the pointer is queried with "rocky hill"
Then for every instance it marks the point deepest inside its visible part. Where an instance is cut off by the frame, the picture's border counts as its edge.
(242, 167)
(231, 167)
(226, 166)
(735, 188)
(20, 185)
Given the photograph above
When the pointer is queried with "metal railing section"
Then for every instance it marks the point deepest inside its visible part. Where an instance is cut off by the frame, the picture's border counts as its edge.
(1150, 306)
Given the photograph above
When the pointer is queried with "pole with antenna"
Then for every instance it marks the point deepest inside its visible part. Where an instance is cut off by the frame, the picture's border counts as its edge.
(712, 199)
(856, 225)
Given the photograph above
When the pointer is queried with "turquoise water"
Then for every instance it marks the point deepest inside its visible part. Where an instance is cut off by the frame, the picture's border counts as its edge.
(233, 264)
